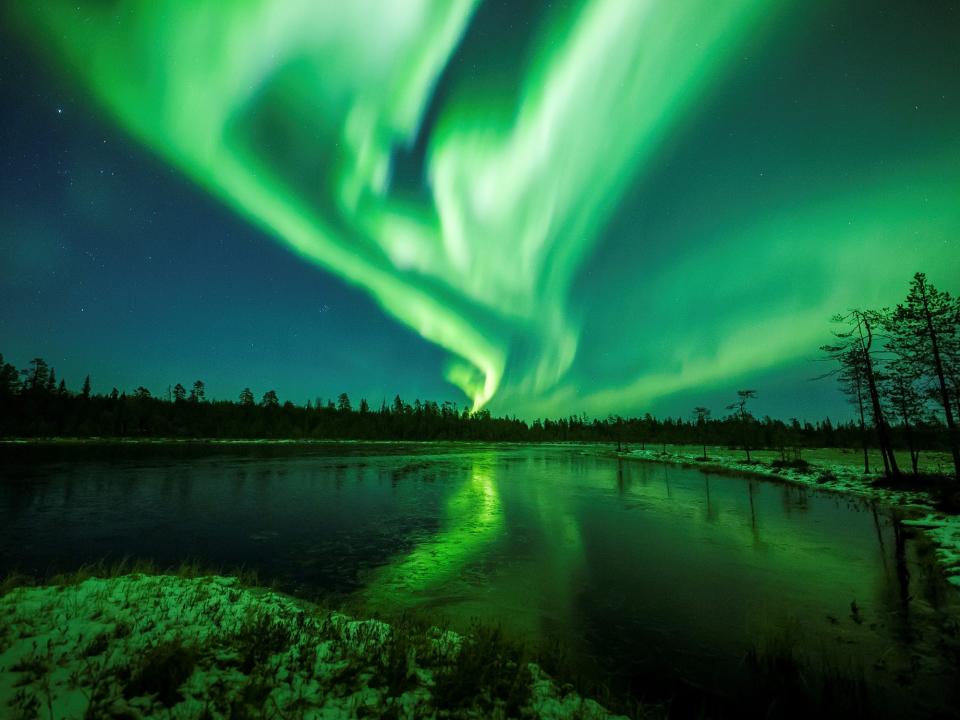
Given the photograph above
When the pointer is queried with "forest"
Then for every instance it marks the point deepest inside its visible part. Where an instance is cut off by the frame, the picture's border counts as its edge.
(900, 368)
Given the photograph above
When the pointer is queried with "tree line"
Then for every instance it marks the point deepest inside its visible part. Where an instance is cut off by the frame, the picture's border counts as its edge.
(899, 366)
(33, 403)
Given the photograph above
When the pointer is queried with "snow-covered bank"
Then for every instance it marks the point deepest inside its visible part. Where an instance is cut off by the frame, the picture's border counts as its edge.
(166, 646)
(918, 506)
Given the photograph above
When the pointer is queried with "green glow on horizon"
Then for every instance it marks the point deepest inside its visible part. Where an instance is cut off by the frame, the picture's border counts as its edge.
(289, 112)
(878, 224)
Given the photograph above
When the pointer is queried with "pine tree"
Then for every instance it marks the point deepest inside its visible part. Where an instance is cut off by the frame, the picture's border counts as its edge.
(270, 399)
(925, 335)
(9, 378)
(36, 376)
(199, 392)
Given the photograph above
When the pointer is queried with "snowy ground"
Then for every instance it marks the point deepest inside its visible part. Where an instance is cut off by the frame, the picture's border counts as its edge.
(139, 646)
(838, 471)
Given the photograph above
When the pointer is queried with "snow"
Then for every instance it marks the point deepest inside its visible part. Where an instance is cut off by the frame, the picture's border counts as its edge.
(942, 529)
(945, 532)
(97, 648)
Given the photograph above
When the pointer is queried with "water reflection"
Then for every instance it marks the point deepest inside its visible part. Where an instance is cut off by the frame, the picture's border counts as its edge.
(473, 521)
(646, 570)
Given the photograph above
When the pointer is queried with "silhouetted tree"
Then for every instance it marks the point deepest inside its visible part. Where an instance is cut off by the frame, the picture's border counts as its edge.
(9, 378)
(246, 397)
(857, 347)
(925, 332)
(179, 393)
(36, 376)
(901, 389)
(743, 416)
(270, 399)
(617, 422)
(85, 392)
(852, 376)
(343, 403)
(199, 392)
(702, 417)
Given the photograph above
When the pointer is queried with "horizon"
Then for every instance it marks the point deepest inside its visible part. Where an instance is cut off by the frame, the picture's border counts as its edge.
(672, 240)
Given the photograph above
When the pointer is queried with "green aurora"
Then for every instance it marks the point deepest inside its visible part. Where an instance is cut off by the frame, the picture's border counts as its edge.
(294, 113)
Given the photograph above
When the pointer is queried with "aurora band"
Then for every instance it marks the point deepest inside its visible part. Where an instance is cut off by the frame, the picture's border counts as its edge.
(291, 114)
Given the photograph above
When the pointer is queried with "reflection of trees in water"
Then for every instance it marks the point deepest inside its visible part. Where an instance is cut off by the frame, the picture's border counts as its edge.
(711, 510)
(794, 497)
(754, 525)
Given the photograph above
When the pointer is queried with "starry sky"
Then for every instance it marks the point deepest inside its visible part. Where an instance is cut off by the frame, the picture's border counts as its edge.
(544, 208)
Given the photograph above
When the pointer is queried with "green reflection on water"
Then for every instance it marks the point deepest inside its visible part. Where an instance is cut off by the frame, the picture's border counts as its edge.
(473, 522)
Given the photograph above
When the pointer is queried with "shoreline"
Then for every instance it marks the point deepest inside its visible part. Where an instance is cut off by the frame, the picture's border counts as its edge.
(919, 507)
(143, 646)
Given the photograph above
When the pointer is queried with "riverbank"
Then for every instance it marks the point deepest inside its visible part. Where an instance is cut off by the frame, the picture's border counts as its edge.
(834, 471)
(142, 646)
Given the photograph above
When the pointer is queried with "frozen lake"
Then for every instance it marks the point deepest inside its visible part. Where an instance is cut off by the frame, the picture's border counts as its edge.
(649, 572)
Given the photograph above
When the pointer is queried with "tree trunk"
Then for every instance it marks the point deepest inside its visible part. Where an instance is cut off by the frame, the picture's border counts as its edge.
(746, 440)
(886, 449)
(944, 394)
(908, 434)
(883, 436)
(863, 429)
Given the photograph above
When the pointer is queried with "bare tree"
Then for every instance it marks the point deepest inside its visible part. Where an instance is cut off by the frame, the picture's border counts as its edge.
(855, 353)
(852, 378)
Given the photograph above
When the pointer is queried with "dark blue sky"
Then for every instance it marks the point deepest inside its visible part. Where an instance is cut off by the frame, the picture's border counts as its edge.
(117, 266)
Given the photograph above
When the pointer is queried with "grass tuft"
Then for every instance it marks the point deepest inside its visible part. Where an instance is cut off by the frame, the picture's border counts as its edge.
(162, 670)
(489, 672)
(794, 464)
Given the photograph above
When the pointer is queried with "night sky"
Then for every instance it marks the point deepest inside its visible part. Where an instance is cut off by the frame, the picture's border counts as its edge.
(540, 207)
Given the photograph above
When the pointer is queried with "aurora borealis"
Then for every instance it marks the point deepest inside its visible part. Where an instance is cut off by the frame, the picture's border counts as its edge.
(600, 206)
